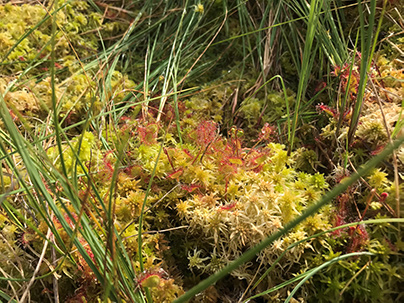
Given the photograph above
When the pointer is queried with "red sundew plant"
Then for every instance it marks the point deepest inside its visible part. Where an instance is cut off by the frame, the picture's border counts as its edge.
(343, 73)
(188, 153)
(235, 141)
(227, 161)
(254, 158)
(228, 206)
(108, 165)
(377, 150)
(229, 155)
(206, 132)
(242, 202)
(126, 125)
(134, 171)
(26, 238)
(328, 110)
(148, 134)
(176, 174)
(358, 238)
(383, 197)
(357, 235)
(169, 159)
(190, 188)
(151, 278)
(267, 133)
(338, 221)
(333, 112)
(83, 266)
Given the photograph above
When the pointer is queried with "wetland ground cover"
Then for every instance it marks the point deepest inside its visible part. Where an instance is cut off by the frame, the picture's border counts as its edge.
(211, 151)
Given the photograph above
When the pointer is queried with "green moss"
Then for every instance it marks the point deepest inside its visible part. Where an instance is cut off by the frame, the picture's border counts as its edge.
(269, 110)
(370, 280)
(80, 150)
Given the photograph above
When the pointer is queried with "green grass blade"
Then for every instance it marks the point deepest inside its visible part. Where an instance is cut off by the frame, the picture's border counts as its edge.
(366, 32)
(308, 57)
(304, 277)
(324, 265)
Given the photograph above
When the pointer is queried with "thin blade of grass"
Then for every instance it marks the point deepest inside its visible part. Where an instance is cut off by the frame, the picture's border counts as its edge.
(305, 70)
(366, 32)
(324, 265)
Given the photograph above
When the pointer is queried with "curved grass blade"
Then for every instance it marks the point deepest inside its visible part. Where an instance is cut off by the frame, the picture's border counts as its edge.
(305, 276)
(372, 221)
(328, 263)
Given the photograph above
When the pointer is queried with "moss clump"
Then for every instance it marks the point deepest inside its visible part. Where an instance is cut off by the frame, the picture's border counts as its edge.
(257, 111)
(75, 155)
(76, 24)
(76, 97)
(76, 92)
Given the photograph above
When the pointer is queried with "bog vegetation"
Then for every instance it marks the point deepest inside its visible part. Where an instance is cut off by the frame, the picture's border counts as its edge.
(212, 151)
